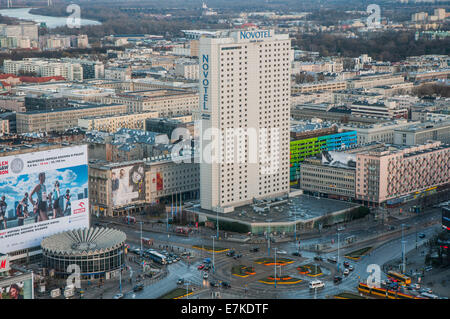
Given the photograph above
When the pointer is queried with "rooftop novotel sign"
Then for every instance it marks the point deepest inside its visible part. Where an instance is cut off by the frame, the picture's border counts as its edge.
(205, 82)
(254, 35)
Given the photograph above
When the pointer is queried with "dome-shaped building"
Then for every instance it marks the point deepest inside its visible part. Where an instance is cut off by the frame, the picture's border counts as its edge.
(97, 251)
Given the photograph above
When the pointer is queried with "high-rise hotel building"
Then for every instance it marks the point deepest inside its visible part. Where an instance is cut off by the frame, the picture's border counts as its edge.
(245, 97)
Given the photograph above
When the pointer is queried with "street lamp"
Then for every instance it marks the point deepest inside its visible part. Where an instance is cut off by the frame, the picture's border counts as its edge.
(403, 251)
(338, 249)
(217, 222)
(275, 249)
(268, 238)
(213, 255)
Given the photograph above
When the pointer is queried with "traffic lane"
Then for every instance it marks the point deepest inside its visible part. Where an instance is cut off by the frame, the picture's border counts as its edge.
(175, 271)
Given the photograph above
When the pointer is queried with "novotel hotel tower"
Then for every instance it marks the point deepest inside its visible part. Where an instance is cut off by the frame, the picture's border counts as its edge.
(244, 117)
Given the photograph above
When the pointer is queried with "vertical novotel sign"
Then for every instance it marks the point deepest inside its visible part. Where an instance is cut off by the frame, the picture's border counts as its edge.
(205, 81)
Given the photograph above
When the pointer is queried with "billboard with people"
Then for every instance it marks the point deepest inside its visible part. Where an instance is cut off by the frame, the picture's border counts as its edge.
(22, 289)
(339, 159)
(42, 193)
(128, 185)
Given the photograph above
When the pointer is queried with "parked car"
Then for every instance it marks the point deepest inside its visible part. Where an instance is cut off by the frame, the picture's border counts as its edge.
(118, 296)
(180, 281)
(200, 267)
(296, 253)
(138, 287)
(346, 272)
(337, 279)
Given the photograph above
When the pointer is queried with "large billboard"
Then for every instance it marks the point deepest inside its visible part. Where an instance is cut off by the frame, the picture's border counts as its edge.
(17, 287)
(128, 185)
(42, 193)
(339, 159)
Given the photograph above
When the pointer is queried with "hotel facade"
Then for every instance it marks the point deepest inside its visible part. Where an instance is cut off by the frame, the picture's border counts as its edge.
(244, 96)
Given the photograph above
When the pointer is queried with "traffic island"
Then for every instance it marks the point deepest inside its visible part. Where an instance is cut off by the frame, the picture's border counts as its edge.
(242, 271)
(177, 293)
(348, 295)
(269, 261)
(310, 270)
(282, 280)
(357, 254)
(210, 249)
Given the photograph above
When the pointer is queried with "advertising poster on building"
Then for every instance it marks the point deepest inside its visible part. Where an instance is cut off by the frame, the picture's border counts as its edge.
(128, 185)
(42, 193)
(17, 290)
(339, 159)
(159, 182)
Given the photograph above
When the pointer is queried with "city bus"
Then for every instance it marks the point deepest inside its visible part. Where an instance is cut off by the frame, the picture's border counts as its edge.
(401, 279)
(157, 257)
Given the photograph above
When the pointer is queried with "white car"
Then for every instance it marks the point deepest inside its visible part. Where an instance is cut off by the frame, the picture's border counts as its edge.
(346, 272)
(316, 284)
(118, 296)
(281, 252)
(205, 275)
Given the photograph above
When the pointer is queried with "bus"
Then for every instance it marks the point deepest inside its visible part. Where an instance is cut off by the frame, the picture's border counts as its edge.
(157, 257)
(401, 279)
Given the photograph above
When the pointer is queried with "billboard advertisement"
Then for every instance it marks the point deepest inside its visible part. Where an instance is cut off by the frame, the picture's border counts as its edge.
(339, 159)
(42, 193)
(17, 288)
(159, 182)
(128, 185)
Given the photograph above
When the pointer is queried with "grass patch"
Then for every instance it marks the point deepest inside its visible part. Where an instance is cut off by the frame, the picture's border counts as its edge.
(269, 261)
(177, 293)
(210, 248)
(357, 254)
(242, 271)
(310, 270)
(283, 280)
(348, 295)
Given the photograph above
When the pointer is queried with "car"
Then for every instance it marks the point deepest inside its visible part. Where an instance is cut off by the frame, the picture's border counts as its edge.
(296, 253)
(316, 284)
(237, 256)
(118, 296)
(149, 275)
(254, 250)
(207, 267)
(346, 264)
(346, 272)
(428, 268)
(351, 268)
(225, 284)
(426, 290)
(169, 261)
(178, 258)
(230, 253)
(337, 279)
(138, 287)
(415, 286)
(318, 258)
(200, 267)
(332, 259)
(180, 281)
(213, 283)
(421, 235)
(341, 228)
(205, 275)
(281, 252)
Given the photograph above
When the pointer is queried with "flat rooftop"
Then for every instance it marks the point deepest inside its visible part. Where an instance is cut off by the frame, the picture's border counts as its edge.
(301, 208)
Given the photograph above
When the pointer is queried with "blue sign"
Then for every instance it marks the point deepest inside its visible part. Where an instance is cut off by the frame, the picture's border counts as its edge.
(254, 35)
(205, 81)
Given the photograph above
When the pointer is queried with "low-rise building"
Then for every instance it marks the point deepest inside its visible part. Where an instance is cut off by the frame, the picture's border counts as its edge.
(420, 133)
(112, 123)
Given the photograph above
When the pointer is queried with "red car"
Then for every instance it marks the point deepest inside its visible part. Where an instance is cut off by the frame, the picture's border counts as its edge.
(200, 267)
